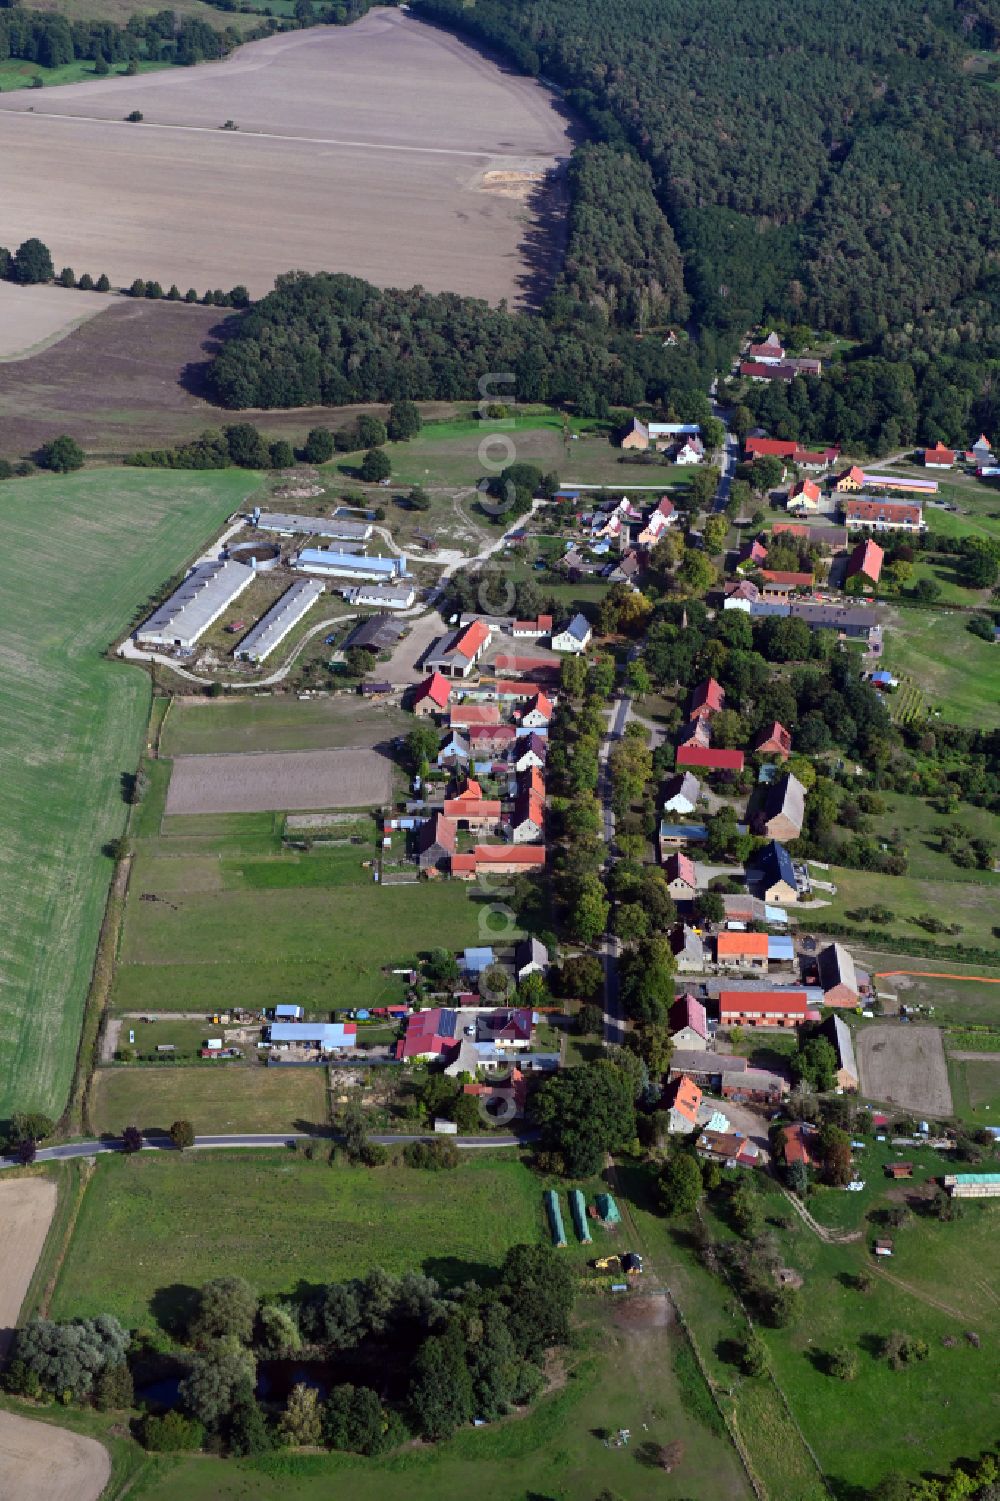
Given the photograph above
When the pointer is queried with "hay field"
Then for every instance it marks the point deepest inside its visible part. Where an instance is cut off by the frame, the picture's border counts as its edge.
(368, 144)
(82, 553)
(280, 781)
(218, 1098)
(32, 318)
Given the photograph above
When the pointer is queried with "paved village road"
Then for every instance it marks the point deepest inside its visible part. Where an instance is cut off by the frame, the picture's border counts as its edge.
(610, 947)
(158, 1143)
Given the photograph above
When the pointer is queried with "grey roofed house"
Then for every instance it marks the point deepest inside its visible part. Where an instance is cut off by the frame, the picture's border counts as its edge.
(688, 948)
(531, 957)
(838, 1034)
(836, 971)
(289, 525)
(704, 1064)
(283, 615)
(578, 628)
(784, 809)
(684, 788)
(208, 590)
(744, 908)
(377, 633)
(775, 864)
(853, 620)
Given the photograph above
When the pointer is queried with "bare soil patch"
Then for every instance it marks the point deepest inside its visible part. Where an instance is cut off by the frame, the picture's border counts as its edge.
(905, 1066)
(133, 378)
(32, 318)
(644, 1311)
(26, 1209)
(40, 1462)
(368, 144)
(279, 781)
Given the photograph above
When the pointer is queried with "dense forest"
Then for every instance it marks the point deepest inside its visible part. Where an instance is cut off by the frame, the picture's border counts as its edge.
(336, 339)
(51, 40)
(837, 168)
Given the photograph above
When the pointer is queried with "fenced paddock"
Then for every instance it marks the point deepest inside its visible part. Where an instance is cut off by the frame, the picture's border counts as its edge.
(279, 781)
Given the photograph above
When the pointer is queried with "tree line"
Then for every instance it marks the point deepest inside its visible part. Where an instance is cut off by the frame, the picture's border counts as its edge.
(51, 40)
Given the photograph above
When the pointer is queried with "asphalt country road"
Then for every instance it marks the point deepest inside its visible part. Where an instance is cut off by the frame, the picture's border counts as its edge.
(162, 1143)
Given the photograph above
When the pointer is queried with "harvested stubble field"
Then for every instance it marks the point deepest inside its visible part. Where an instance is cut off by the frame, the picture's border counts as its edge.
(26, 1209)
(368, 144)
(905, 1066)
(33, 317)
(82, 553)
(40, 1462)
(281, 781)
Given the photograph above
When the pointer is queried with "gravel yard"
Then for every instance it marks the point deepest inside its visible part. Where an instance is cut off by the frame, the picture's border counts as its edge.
(280, 782)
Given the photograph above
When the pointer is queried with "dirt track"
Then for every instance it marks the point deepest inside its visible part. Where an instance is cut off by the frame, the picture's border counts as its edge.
(40, 1462)
(26, 1209)
(279, 781)
(905, 1066)
(359, 149)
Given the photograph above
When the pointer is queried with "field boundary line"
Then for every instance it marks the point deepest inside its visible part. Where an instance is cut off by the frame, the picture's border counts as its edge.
(936, 974)
(80, 1191)
(273, 135)
(98, 995)
(728, 1419)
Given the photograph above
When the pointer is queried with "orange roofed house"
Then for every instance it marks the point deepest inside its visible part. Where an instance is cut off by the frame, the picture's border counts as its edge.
(462, 650)
(804, 496)
(938, 457)
(499, 860)
(774, 740)
(471, 810)
(708, 698)
(432, 696)
(763, 1008)
(865, 562)
(683, 1102)
(735, 950)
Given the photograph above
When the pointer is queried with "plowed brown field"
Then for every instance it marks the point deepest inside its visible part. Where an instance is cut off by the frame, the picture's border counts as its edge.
(360, 149)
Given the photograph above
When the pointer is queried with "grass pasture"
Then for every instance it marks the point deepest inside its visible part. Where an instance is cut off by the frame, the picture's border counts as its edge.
(219, 1099)
(912, 1421)
(975, 1088)
(959, 993)
(921, 826)
(72, 726)
(143, 1235)
(971, 903)
(236, 922)
(204, 727)
(958, 673)
(619, 1377)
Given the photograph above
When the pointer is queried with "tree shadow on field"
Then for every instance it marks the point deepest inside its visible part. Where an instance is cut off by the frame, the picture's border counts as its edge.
(454, 1271)
(194, 375)
(543, 245)
(174, 1307)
